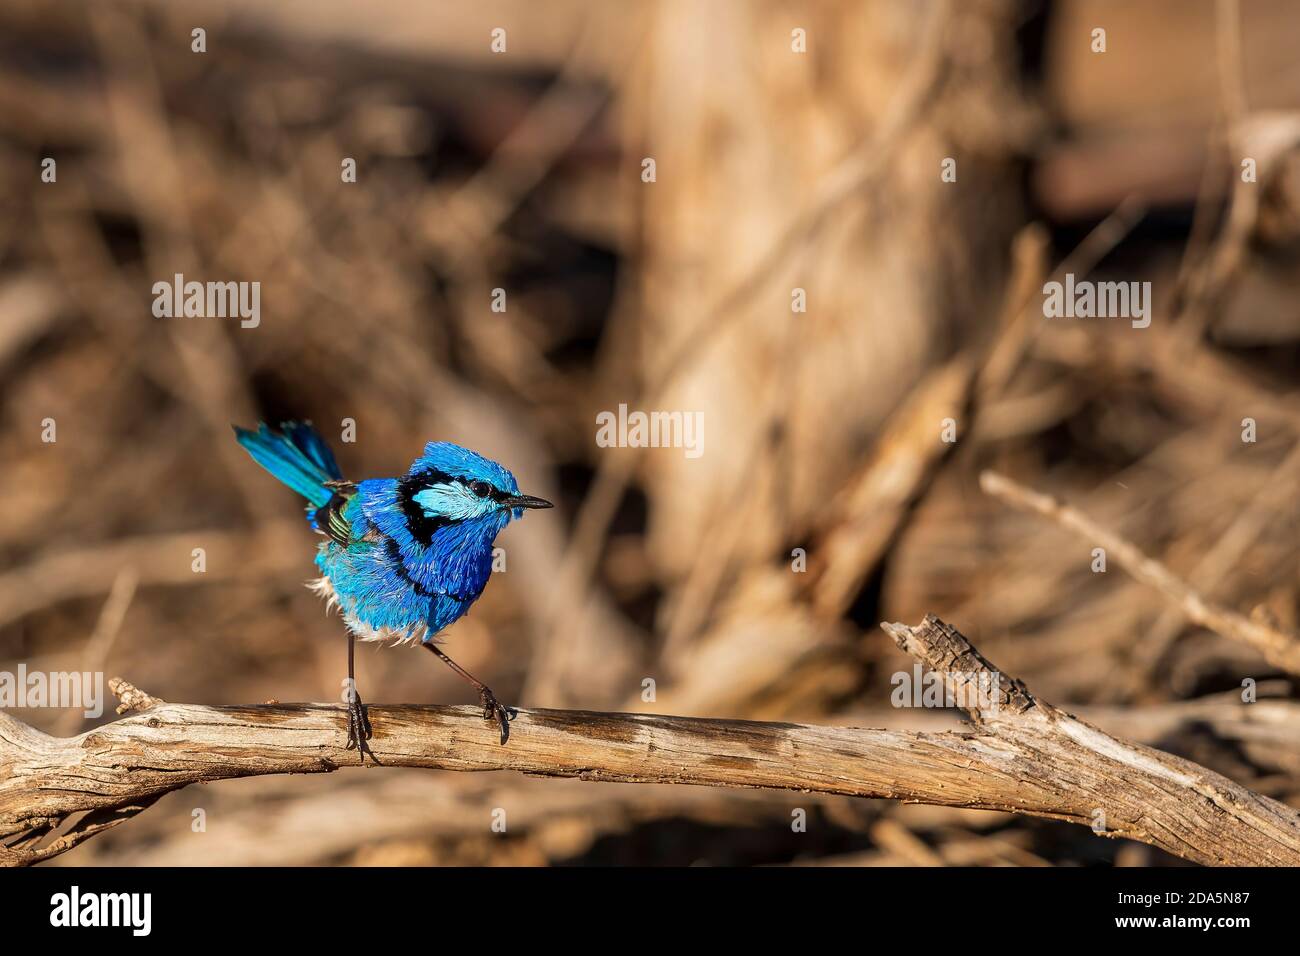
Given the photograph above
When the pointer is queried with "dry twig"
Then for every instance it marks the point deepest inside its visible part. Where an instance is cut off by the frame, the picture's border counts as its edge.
(1279, 648)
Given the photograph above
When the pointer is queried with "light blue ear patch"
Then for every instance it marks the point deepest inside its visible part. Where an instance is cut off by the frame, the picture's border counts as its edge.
(453, 501)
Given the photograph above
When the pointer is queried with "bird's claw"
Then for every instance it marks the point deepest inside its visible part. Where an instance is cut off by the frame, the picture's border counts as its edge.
(494, 710)
(359, 729)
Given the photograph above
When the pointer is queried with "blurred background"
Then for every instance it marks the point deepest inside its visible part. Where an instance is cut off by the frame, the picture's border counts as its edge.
(775, 170)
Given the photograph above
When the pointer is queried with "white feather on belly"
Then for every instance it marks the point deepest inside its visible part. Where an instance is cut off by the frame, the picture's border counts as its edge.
(323, 588)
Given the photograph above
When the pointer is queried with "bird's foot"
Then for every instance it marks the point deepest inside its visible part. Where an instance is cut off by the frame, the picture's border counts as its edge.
(494, 710)
(359, 730)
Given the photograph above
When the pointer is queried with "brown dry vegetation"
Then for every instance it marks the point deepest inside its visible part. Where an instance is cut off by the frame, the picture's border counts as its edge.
(774, 171)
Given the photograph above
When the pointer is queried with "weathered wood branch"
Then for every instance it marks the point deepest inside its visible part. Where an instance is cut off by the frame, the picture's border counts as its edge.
(1022, 756)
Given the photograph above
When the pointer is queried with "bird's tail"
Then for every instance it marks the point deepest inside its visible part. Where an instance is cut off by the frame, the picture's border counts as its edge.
(297, 455)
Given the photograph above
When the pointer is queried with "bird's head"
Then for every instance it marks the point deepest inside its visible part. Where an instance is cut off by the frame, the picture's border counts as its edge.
(449, 485)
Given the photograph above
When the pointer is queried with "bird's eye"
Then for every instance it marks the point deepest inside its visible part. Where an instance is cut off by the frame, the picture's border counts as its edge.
(480, 488)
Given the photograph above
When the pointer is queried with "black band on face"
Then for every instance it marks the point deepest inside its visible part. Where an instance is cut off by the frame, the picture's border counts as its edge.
(420, 524)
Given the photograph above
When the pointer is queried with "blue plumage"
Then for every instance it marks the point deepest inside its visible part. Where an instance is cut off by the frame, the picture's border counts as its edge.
(403, 557)
(297, 455)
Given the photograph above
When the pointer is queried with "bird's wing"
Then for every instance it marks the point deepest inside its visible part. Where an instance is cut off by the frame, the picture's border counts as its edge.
(332, 519)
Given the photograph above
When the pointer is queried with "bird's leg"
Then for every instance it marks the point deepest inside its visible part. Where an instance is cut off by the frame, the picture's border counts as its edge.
(358, 720)
(492, 708)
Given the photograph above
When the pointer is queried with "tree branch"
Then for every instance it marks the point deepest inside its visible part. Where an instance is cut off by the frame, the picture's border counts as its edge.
(1023, 756)
(1278, 647)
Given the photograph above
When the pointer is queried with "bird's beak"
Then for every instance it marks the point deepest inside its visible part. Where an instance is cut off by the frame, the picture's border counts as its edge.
(526, 501)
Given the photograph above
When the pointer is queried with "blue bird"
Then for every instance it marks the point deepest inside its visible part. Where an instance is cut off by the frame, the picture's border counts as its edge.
(404, 557)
